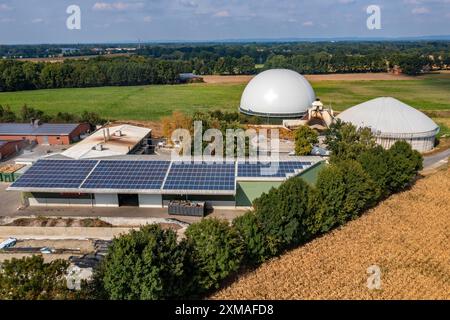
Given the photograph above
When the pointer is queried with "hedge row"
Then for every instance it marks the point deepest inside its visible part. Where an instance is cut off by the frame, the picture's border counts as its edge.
(151, 264)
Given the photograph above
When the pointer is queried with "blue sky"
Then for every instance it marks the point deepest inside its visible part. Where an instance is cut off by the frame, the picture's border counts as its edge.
(44, 21)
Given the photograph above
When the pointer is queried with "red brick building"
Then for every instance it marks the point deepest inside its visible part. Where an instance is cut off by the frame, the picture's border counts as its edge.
(47, 133)
(8, 148)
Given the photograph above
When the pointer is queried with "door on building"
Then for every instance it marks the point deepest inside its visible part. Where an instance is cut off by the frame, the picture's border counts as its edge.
(45, 140)
(128, 200)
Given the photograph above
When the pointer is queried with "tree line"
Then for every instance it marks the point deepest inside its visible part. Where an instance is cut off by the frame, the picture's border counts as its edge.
(162, 64)
(120, 71)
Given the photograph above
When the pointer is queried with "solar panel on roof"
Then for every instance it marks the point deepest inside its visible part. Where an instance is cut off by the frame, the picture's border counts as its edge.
(275, 169)
(55, 174)
(201, 176)
(55, 128)
(127, 175)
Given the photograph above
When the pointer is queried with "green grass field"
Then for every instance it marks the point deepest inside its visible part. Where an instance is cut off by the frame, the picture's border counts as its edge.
(153, 102)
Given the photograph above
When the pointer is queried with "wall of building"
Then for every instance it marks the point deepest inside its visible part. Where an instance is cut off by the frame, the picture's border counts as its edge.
(51, 139)
(11, 148)
(81, 129)
(106, 200)
(57, 200)
(150, 200)
(311, 174)
(247, 191)
(423, 144)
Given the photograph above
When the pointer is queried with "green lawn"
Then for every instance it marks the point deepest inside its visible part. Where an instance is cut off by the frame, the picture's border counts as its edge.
(153, 102)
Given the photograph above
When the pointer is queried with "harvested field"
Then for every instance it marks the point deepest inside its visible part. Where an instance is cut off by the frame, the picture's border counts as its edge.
(407, 236)
(216, 79)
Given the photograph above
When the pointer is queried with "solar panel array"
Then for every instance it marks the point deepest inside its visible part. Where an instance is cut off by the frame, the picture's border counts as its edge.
(201, 176)
(132, 175)
(272, 169)
(149, 175)
(56, 174)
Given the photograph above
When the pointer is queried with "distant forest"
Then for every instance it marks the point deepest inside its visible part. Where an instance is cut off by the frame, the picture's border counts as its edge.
(162, 63)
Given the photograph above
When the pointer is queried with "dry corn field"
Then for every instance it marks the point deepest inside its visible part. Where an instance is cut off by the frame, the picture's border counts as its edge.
(407, 236)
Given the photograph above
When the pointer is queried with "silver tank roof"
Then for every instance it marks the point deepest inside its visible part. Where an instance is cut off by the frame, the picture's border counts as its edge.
(388, 115)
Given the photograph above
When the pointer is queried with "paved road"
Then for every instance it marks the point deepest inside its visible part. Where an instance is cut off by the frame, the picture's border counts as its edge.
(430, 161)
(9, 201)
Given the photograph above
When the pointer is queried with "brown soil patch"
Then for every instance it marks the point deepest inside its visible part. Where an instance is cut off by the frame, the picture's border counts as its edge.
(58, 222)
(170, 226)
(407, 236)
(216, 79)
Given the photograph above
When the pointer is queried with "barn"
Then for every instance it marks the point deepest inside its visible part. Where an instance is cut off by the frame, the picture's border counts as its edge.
(46, 134)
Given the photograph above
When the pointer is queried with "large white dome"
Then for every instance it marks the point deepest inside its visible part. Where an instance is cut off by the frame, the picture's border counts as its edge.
(392, 120)
(277, 93)
(389, 115)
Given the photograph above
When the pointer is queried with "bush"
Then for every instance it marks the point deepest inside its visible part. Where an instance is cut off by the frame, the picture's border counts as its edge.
(305, 138)
(30, 278)
(249, 229)
(282, 216)
(377, 163)
(346, 142)
(146, 264)
(404, 165)
(215, 250)
(346, 190)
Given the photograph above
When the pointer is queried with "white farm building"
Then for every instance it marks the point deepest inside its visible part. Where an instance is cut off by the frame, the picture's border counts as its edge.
(392, 120)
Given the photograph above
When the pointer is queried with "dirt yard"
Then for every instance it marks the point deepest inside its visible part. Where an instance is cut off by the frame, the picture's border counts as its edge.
(79, 247)
(314, 78)
(407, 237)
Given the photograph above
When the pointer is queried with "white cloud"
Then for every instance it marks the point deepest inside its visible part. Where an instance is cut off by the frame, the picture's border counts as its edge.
(222, 14)
(308, 23)
(37, 20)
(189, 3)
(117, 6)
(4, 7)
(148, 19)
(421, 10)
